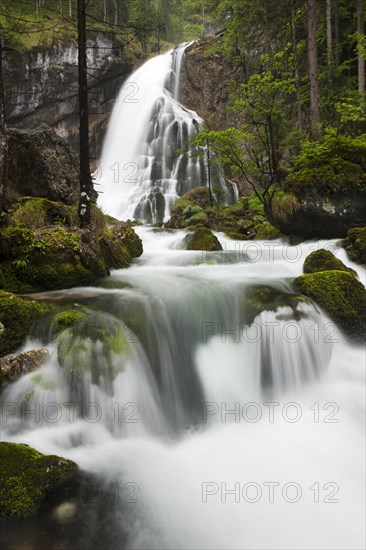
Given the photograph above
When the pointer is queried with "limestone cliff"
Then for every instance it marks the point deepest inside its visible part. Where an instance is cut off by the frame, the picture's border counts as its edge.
(41, 87)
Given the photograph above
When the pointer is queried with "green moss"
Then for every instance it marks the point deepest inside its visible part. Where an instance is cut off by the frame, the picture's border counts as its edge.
(355, 245)
(267, 231)
(341, 296)
(66, 319)
(267, 298)
(95, 347)
(17, 316)
(202, 239)
(324, 260)
(284, 206)
(27, 477)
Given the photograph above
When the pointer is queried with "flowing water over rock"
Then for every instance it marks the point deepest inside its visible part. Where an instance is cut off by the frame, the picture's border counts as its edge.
(148, 160)
(226, 411)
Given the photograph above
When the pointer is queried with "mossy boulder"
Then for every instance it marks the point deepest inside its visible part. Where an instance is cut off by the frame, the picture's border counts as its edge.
(342, 297)
(16, 318)
(267, 231)
(36, 213)
(202, 239)
(324, 260)
(28, 477)
(95, 348)
(267, 298)
(355, 245)
(57, 257)
(66, 319)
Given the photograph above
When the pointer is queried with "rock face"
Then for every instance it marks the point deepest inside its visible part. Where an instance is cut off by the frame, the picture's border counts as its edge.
(41, 87)
(28, 477)
(15, 366)
(204, 85)
(321, 216)
(41, 164)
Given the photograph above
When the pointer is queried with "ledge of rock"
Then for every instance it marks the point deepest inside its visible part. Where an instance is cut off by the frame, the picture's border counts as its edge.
(13, 367)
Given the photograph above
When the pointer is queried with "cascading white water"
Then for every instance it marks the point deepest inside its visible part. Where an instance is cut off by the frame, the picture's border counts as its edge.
(203, 384)
(147, 160)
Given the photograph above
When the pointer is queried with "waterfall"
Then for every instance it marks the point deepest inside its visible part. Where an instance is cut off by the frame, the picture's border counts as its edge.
(147, 160)
(213, 391)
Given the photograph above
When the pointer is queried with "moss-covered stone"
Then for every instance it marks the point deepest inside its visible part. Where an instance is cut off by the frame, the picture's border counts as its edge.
(341, 296)
(16, 317)
(355, 245)
(27, 477)
(57, 257)
(66, 319)
(324, 260)
(202, 239)
(267, 231)
(35, 213)
(267, 298)
(95, 348)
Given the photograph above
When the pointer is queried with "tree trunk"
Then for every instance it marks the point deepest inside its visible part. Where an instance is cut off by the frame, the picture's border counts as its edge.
(105, 17)
(329, 33)
(336, 34)
(313, 70)
(360, 31)
(86, 184)
(296, 65)
(70, 9)
(3, 139)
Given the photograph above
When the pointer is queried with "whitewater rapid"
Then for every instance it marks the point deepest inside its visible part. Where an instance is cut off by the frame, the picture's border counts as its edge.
(215, 460)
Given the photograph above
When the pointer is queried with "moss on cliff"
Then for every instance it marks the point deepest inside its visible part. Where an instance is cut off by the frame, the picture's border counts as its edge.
(27, 477)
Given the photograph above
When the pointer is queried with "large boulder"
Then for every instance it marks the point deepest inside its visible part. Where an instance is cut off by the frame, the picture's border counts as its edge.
(341, 296)
(16, 318)
(316, 215)
(27, 477)
(41, 164)
(57, 256)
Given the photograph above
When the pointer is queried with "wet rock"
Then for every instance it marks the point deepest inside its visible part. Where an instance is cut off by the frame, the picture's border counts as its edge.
(28, 477)
(202, 239)
(324, 260)
(355, 245)
(341, 296)
(15, 366)
(41, 164)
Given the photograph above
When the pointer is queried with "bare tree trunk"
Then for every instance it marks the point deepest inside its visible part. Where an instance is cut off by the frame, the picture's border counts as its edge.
(313, 70)
(37, 8)
(360, 31)
(70, 9)
(3, 137)
(115, 15)
(296, 65)
(336, 35)
(329, 33)
(105, 17)
(86, 184)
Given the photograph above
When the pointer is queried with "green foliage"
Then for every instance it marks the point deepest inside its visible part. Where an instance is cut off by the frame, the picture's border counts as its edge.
(334, 165)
